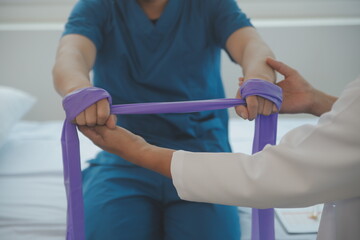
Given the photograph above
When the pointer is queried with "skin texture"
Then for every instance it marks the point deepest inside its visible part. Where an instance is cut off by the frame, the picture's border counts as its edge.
(298, 97)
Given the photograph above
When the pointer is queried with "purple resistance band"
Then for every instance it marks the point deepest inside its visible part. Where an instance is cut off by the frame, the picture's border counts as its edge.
(75, 103)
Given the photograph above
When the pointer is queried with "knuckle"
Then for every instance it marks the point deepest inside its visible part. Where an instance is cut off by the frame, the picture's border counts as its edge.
(102, 117)
(252, 105)
(239, 108)
(266, 113)
(79, 121)
(90, 123)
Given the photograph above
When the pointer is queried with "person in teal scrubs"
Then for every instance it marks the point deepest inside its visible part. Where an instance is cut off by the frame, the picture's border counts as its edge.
(154, 51)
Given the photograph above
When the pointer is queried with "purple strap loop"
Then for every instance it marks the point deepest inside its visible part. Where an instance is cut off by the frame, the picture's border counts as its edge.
(78, 101)
(261, 88)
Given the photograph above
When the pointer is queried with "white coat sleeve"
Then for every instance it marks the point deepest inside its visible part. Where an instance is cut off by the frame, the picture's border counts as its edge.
(311, 164)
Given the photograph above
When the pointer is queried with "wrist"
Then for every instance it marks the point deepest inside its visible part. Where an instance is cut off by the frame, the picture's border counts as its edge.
(321, 103)
(77, 87)
(261, 77)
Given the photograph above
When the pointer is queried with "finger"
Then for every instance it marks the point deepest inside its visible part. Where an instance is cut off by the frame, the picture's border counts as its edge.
(280, 67)
(242, 111)
(241, 81)
(97, 134)
(274, 109)
(84, 130)
(261, 103)
(103, 111)
(111, 121)
(238, 94)
(80, 119)
(90, 115)
(268, 107)
(88, 132)
(252, 107)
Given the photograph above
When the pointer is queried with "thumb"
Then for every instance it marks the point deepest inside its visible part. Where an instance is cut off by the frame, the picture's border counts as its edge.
(111, 122)
(280, 67)
(241, 81)
(87, 131)
(98, 135)
(95, 134)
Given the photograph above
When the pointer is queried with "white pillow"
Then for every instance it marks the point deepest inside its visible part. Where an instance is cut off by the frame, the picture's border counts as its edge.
(14, 104)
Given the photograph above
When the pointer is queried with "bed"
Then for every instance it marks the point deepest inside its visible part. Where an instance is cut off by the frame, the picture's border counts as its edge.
(32, 200)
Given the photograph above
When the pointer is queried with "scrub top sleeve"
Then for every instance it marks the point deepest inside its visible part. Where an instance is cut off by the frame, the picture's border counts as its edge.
(89, 18)
(228, 18)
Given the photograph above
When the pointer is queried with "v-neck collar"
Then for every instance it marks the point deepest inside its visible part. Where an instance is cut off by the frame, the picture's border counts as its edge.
(140, 21)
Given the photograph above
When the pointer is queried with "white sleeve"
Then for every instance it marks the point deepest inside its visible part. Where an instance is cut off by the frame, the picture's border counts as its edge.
(311, 164)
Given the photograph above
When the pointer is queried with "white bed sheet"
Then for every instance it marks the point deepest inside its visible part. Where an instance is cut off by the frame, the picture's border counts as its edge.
(33, 202)
(32, 195)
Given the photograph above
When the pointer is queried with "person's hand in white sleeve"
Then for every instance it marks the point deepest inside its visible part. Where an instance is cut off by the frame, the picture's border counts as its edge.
(298, 95)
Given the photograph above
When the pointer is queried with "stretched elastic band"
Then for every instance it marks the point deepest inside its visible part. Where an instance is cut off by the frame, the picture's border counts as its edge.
(78, 101)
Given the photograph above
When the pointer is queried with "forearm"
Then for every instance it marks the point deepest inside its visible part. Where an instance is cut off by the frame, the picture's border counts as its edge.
(131, 147)
(156, 159)
(250, 52)
(253, 62)
(148, 156)
(70, 71)
(74, 61)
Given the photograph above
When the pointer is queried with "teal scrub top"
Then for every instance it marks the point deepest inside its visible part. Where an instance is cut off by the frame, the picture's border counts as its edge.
(177, 58)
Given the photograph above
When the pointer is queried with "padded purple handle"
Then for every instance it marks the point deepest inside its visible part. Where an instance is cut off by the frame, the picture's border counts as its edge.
(75, 103)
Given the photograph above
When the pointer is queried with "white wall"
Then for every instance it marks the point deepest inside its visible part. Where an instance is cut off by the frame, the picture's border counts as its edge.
(325, 50)
(26, 61)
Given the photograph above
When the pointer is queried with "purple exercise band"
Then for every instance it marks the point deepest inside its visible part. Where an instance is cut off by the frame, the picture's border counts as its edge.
(75, 103)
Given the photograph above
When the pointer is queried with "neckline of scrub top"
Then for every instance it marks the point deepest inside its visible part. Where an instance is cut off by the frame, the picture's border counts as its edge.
(142, 24)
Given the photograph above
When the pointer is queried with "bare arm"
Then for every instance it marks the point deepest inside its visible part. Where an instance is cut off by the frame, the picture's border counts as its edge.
(248, 49)
(131, 147)
(74, 60)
